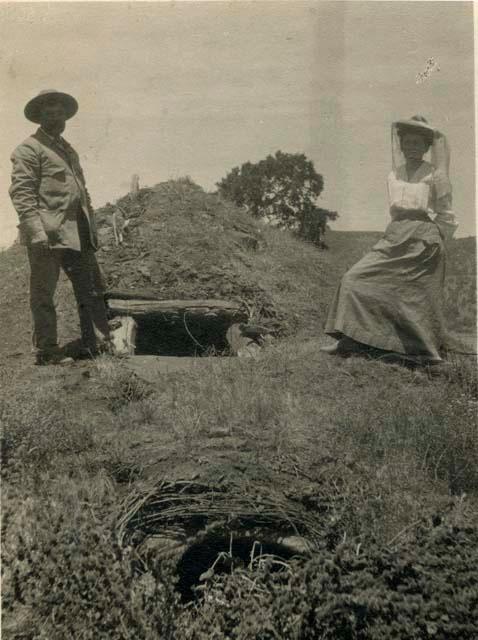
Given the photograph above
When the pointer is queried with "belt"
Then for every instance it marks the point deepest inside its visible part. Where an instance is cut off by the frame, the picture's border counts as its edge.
(411, 215)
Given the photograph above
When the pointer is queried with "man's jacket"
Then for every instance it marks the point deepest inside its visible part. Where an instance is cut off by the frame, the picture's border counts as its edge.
(48, 192)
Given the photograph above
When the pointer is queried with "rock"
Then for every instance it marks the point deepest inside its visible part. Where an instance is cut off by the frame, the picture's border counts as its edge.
(123, 335)
(144, 271)
(162, 546)
(245, 341)
(250, 350)
(247, 241)
(297, 544)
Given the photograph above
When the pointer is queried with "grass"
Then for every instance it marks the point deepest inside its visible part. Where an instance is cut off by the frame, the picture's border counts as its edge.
(286, 402)
(400, 447)
(393, 452)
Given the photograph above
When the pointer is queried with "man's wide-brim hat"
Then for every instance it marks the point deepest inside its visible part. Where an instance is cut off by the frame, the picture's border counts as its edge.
(34, 106)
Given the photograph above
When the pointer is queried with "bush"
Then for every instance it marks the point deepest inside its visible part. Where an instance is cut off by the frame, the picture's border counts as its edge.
(426, 590)
(64, 576)
(70, 579)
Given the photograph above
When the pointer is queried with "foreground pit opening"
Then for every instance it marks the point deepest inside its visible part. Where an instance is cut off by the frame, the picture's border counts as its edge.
(233, 516)
(221, 554)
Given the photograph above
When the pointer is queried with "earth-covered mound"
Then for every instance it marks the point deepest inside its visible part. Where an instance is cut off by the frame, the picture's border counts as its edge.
(176, 242)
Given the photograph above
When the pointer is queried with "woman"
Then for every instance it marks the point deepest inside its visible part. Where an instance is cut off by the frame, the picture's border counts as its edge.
(392, 298)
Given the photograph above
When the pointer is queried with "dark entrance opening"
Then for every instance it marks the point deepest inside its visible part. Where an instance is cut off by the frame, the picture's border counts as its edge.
(197, 336)
(173, 327)
(218, 554)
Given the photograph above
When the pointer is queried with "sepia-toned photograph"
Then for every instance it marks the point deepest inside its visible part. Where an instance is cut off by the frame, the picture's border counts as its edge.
(238, 320)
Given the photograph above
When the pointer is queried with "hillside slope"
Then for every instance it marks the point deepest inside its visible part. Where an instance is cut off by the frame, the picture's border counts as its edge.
(181, 242)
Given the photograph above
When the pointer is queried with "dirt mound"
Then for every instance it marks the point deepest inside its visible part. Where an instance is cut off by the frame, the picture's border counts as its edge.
(176, 241)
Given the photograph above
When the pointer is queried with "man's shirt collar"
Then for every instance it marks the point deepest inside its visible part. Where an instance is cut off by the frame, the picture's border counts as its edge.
(61, 142)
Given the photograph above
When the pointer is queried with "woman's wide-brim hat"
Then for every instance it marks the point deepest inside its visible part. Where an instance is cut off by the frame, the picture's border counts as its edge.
(416, 123)
(34, 106)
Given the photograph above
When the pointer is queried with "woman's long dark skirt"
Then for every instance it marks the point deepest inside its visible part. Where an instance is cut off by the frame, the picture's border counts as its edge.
(392, 299)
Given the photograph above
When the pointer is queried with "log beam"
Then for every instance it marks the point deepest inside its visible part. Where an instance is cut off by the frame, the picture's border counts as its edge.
(177, 308)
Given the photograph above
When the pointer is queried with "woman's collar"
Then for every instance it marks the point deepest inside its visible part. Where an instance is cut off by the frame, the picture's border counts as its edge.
(424, 169)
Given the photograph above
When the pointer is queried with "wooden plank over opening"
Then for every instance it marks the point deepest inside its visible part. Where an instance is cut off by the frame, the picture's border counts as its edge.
(206, 307)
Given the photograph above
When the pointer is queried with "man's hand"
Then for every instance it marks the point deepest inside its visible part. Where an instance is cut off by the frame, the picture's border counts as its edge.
(40, 244)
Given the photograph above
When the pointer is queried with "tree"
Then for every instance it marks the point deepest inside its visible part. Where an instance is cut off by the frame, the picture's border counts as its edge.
(283, 188)
(313, 224)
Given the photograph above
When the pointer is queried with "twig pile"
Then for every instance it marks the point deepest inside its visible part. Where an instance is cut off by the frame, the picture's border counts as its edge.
(185, 509)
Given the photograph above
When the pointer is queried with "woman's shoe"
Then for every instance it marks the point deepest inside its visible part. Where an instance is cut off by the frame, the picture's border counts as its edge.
(344, 346)
(331, 349)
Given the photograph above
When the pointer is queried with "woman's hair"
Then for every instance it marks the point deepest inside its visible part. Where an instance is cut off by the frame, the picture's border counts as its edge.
(427, 134)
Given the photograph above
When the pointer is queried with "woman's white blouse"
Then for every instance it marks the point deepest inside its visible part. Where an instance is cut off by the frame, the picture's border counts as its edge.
(419, 194)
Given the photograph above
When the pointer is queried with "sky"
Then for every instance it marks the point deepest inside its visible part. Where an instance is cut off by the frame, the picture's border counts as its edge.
(195, 88)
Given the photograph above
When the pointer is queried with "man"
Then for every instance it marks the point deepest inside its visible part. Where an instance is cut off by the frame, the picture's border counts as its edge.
(57, 225)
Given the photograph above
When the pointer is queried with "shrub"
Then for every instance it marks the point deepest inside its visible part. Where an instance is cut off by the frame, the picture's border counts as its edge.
(426, 590)
(64, 576)
(70, 579)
